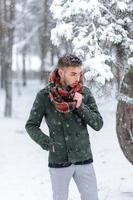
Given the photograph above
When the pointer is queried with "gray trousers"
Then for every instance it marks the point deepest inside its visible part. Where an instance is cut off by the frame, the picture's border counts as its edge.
(84, 177)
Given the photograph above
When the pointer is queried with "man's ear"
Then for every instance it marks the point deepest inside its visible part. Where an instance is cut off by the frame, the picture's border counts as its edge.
(60, 71)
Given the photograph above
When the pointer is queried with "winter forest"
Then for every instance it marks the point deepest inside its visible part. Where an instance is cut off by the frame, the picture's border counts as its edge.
(33, 35)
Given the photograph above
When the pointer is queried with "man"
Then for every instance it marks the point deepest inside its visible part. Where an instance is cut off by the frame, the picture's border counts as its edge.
(68, 107)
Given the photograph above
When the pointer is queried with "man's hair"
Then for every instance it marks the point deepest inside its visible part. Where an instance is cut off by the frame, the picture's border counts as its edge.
(69, 60)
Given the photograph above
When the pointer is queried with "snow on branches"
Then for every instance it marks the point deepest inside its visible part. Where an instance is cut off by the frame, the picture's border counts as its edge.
(93, 27)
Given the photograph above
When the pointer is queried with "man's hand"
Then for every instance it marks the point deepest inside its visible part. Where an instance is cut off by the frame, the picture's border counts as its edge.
(78, 97)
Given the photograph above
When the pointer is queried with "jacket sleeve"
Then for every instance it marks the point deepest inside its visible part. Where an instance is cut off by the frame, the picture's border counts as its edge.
(33, 123)
(89, 113)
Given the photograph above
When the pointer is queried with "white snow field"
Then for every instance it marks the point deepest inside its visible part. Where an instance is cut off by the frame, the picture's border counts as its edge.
(24, 173)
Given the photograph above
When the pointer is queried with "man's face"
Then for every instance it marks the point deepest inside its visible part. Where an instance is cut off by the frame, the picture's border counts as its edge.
(70, 75)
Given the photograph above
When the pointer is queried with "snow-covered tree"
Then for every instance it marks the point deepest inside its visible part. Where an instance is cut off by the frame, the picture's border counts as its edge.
(99, 31)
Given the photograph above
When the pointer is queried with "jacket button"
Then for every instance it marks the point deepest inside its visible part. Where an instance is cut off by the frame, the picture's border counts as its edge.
(67, 125)
(70, 150)
(77, 134)
(66, 138)
(77, 150)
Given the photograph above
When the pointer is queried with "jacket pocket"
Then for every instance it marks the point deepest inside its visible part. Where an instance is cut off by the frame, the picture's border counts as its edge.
(52, 145)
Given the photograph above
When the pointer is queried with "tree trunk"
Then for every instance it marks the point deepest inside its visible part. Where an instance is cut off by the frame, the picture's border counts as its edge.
(52, 54)
(120, 64)
(9, 10)
(44, 40)
(8, 90)
(2, 47)
(124, 116)
(24, 66)
(3, 73)
(18, 71)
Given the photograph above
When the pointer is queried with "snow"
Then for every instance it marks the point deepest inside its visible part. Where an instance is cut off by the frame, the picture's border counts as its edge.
(59, 9)
(125, 98)
(24, 173)
(130, 60)
(122, 5)
(60, 30)
(98, 69)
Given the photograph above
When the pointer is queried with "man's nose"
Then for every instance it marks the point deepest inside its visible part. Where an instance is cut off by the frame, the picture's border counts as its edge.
(77, 78)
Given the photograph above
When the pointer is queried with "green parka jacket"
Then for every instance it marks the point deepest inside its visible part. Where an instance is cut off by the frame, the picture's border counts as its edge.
(68, 139)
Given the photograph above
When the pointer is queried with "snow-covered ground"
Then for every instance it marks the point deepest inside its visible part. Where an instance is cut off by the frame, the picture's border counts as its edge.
(23, 164)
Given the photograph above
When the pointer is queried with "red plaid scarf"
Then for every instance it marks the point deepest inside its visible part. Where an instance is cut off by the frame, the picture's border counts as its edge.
(61, 97)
